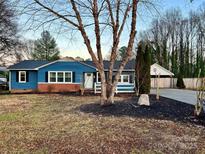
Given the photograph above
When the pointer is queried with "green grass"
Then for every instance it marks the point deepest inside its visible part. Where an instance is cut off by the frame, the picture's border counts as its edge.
(53, 123)
(9, 117)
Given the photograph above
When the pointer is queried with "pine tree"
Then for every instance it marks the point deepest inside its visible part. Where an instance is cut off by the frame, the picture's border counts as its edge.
(122, 52)
(45, 48)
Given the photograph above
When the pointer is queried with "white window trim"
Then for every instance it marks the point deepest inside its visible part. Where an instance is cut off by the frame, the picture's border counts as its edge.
(71, 77)
(56, 72)
(9, 80)
(122, 76)
(20, 81)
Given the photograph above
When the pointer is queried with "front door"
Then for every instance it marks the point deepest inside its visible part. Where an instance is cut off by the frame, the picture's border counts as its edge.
(88, 82)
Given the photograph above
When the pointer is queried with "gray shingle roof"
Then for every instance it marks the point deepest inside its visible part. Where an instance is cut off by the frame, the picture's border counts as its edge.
(3, 69)
(29, 64)
(128, 66)
(33, 64)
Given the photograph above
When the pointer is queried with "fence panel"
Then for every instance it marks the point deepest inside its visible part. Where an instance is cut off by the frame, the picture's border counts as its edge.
(190, 83)
(162, 82)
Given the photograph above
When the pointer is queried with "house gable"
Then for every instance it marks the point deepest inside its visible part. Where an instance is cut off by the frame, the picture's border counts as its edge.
(76, 67)
(156, 69)
(74, 61)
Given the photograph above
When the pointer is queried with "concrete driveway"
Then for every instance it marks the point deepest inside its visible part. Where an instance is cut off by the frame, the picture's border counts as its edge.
(186, 96)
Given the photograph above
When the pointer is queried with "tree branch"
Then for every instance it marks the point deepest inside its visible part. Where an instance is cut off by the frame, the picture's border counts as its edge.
(56, 13)
(97, 31)
(85, 37)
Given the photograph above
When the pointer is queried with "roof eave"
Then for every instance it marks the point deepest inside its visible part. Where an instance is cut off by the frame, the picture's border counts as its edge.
(129, 70)
(15, 69)
(171, 74)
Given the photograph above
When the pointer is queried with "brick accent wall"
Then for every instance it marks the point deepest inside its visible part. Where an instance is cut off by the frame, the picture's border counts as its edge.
(58, 87)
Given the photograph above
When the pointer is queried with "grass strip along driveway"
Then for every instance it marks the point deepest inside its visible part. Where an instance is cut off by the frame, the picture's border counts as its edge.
(55, 123)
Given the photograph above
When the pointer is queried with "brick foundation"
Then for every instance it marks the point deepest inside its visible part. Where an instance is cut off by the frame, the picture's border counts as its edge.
(58, 87)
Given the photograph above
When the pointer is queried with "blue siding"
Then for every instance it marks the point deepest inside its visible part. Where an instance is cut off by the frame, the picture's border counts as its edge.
(40, 75)
(75, 67)
(31, 84)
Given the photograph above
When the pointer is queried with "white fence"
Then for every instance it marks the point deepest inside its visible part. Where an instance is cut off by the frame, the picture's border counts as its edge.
(121, 88)
(191, 83)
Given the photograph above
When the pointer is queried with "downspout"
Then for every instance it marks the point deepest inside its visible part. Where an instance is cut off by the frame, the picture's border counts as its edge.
(9, 81)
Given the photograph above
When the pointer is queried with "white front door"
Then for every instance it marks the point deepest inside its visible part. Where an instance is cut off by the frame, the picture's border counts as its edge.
(88, 83)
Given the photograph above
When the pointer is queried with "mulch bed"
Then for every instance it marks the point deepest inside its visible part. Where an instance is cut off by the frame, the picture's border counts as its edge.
(166, 109)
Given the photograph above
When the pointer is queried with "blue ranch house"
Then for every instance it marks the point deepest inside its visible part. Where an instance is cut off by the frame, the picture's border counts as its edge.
(65, 76)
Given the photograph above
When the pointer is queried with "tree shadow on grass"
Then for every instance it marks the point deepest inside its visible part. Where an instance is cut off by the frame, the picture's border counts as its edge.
(165, 109)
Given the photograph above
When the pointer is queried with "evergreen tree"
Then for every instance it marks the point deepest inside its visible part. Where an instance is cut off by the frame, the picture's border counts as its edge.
(152, 55)
(180, 82)
(174, 62)
(147, 77)
(143, 63)
(158, 54)
(139, 68)
(45, 48)
(122, 52)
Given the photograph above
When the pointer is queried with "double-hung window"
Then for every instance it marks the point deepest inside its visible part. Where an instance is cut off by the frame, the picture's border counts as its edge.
(60, 77)
(52, 76)
(22, 76)
(124, 79)
(68, 76)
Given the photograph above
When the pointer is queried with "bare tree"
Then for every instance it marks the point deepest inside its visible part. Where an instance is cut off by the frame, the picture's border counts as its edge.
(8, 28)
(85, 17)
(179, 41)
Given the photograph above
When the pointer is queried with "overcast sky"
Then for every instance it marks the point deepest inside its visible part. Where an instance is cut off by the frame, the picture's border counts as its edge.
(77, 48)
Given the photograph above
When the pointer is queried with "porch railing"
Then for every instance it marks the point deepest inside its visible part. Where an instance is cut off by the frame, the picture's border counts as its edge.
(121, 88)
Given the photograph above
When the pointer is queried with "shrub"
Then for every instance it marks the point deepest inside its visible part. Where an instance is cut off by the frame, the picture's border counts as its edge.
(180, 82)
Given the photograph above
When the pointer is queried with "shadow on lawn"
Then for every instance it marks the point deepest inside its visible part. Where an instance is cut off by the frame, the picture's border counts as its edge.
(164, 109)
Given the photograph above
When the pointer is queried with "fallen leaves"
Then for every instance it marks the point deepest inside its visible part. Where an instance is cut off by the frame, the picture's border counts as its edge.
(67, 124)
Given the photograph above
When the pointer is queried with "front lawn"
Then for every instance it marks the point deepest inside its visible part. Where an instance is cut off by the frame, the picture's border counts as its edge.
(73, 124)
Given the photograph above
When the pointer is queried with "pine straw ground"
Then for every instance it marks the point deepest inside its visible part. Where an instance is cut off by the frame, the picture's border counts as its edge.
(74, 124)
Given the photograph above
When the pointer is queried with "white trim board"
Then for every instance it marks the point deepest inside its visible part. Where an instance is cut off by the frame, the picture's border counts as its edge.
(22, 69)
(9, 80)
(63, 61)
(56, 83)
(124, 70)
(162, 68)
(19, 74)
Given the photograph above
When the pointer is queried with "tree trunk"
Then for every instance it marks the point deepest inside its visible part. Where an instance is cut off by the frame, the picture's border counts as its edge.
(107, 91)
(107, 94)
